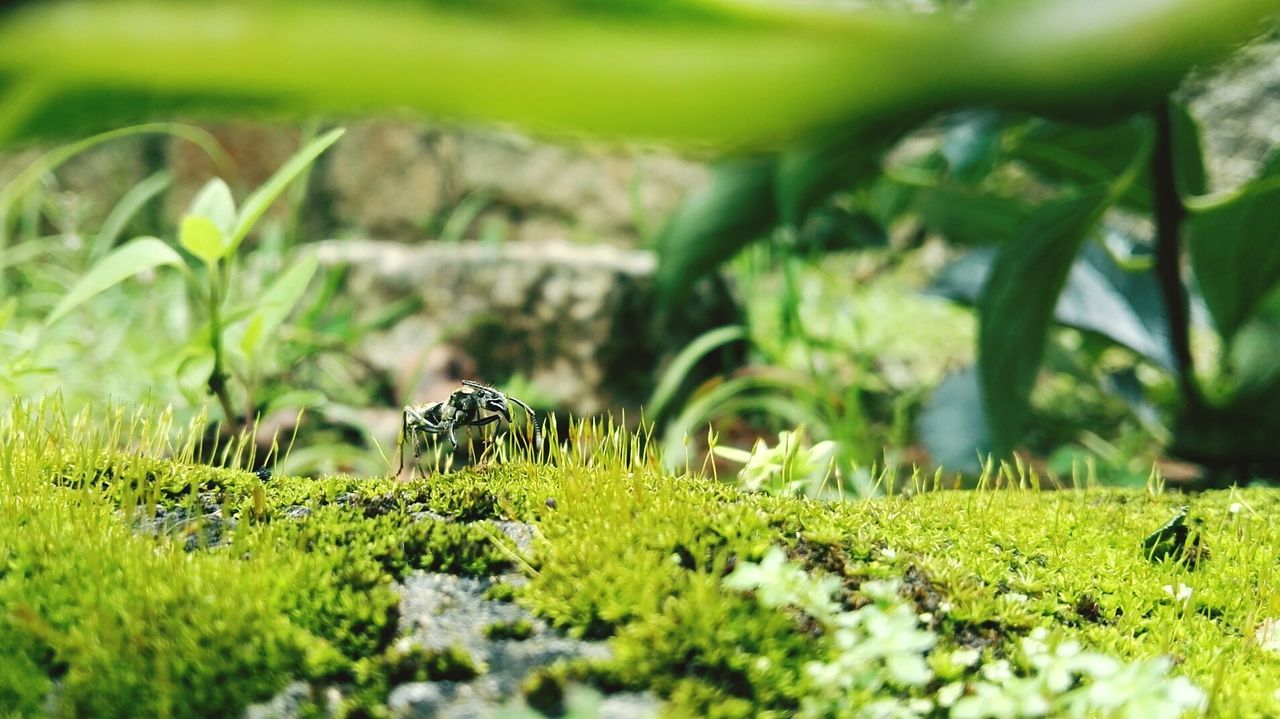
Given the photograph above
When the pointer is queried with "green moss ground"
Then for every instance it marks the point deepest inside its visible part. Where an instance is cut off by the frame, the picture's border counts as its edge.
(111, 620)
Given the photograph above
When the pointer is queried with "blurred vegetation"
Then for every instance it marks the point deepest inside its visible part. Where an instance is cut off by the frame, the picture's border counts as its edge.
(805, 100)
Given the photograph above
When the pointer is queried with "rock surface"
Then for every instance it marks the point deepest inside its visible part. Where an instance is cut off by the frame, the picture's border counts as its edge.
(575, 322)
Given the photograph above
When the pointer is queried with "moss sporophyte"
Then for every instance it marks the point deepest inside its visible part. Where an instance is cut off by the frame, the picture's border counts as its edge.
(711, 600)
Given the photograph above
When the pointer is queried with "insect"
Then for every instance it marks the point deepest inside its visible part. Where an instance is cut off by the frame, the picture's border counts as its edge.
(473, 405)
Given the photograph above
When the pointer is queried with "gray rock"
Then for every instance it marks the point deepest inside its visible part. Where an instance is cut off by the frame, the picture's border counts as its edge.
(287, 704)
(577, 322)
(1238, 104)
(438, 611)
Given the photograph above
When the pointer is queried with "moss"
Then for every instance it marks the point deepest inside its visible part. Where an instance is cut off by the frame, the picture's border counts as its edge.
(299, 580)
(517, 630)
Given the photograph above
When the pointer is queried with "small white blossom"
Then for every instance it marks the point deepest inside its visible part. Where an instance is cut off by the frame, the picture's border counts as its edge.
(1016, 597)
(1182, 594)
(948, 694)
(998, 671)
(1267, 635)
(966, 657)
(1235, 507)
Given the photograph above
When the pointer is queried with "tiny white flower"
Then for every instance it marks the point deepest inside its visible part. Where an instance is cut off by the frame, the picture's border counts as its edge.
(945, 607)
(1016, 597)
(888, 553)
(926, 618)
(1182, 594)
(997, 671)
(1235, 507)
(966, 657)
(1267, 635)
(948, 694)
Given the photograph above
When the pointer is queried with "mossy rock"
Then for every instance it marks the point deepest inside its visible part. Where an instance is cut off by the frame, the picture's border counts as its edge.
(102, 614)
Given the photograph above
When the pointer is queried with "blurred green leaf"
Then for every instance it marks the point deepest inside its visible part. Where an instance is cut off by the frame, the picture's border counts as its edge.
(713, 225)
(709, 73)
(1017, 306)
(684, 362)
(274, 305)
(199, 236)
(125, 210)
(296, 399)
(194, 370)
(126, 261)
(1188, 159)
(972, 144)
(953, 423)
(215, 203)
(1235, 249)
(257, 203)
(807, 176)
(967, 216)
(1076, 155)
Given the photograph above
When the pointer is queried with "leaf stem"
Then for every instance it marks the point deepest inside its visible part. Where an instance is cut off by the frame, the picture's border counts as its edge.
(218, 378)
(1169, 215)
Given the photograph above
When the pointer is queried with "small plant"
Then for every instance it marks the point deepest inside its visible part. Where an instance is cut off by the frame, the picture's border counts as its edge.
(788, 468)
(879, 661)
(232, 339)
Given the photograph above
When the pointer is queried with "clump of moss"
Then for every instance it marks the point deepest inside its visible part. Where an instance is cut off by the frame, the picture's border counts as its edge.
(517, 630)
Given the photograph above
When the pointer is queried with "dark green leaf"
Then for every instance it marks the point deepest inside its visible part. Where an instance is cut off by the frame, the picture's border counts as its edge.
(1099, 296)
(968, 216)
(972, 144)
(713, 225)
(1075, 155)
(1017, 306)
(953, 424)
(807, 176)
(1235, 249)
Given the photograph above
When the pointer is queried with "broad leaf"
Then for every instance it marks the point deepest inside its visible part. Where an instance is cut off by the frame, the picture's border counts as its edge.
(678, 371)
(199, 236)
(1075, 155)
(714, 224)
(953, 424)
(807, 176)
(1099, 296)
(966, 215)
(214, 202)
(126, 261)
(1235, 249)
(256, 205)
(972, 144)
(1017, 306)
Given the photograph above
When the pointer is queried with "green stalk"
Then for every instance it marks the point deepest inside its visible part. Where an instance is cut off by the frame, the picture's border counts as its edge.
(218, 378)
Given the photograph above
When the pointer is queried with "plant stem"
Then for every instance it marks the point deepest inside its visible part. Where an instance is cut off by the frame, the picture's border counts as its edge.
(218, 378)
(1169, 214)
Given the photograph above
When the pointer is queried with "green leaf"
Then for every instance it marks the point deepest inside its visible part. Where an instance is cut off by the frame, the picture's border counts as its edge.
(124, 211)
(1188, 159)
(805, 177)
(214, 202)
(952, 424)
(1017, 306)
(202, 238)
(968, 216)
(713, 225)
(296, 399)
(257, 203)
(274, 305)
(972, 144)
(194, 371)
(1235, 249)
(1076, 155)
(678, 371)
(129, 259)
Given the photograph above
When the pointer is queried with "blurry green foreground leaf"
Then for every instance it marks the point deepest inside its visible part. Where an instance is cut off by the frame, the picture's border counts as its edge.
(711, 73)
